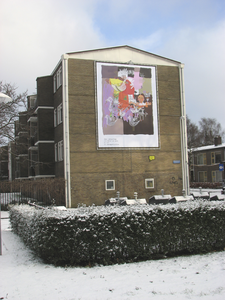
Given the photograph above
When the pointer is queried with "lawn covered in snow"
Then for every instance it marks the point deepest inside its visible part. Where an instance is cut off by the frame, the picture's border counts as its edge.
(25, 277)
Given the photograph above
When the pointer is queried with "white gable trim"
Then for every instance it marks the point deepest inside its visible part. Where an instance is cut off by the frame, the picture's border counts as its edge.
(124, 54)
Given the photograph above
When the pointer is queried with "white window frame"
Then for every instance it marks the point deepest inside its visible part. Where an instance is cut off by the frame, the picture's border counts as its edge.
(113, 185)
(33, 129)
(32, 101)
(54, 83)
(59, 77)
(55, 117)
(59, 114)
(60, 150)
(56, 152)
(147, 181)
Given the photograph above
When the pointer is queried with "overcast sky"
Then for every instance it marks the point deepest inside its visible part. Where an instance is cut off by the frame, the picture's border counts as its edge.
(35, 33)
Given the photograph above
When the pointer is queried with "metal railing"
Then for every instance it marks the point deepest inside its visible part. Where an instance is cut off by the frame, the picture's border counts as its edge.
(44, 191)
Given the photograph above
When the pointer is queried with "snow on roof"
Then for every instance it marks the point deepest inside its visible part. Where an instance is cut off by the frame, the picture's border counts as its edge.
(209, 147)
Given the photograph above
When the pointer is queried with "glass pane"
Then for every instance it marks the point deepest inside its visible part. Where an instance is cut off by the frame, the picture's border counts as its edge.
(149, 183)
(218, 158)
(110, 185)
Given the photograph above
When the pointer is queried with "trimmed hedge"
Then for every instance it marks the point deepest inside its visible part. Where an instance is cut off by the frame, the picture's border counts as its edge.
(108, 235)
(206, 185)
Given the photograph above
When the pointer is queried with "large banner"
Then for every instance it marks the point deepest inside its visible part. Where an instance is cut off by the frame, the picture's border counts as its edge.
(127, 106)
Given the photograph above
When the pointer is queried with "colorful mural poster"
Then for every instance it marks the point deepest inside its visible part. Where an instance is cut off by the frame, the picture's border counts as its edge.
(127, 106)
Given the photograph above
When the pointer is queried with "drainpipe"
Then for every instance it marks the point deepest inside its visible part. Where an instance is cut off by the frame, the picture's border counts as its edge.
(183, 130)
(66, 141)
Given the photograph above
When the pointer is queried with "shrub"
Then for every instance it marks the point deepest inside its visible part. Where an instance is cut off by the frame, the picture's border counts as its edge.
(206, 185)
(107, 235)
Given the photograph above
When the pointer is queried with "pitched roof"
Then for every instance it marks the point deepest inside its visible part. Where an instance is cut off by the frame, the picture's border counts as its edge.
(125, 46)
(209, 147)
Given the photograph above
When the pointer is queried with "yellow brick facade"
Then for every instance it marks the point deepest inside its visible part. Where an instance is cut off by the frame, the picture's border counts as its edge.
(90, 167)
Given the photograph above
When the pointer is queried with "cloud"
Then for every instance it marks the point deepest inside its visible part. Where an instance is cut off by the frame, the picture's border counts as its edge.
(202, 52)
(34, 35)
(152, 41)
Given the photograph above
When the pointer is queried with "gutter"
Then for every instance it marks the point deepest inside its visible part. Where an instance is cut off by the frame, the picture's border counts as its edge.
(183, 129)
(66, 143)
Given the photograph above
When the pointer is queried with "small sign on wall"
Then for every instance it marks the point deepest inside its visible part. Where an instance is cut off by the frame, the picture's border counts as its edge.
(221, 167)
(176, 161)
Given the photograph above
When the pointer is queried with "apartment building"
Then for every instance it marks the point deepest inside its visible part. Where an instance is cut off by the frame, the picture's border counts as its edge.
(4, 163)
(107, 120)
(207, 164)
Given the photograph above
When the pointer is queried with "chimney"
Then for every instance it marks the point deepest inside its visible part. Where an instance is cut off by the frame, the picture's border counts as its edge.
(217, 140)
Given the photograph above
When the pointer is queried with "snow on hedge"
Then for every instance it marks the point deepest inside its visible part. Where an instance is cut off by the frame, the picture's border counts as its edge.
(107, 235)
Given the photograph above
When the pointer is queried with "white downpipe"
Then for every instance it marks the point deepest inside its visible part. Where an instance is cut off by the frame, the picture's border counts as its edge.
(66, 143)
(183, 128)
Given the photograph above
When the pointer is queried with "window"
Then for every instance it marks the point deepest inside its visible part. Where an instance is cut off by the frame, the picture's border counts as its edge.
(201, 159)
(32, 101)
(202, 176)
(56, 152)
(59, 114)
(54, 83)
(57, 80)
(149, 183)
(60, 151)
(215, 157)
(34, 157)
(55, 117)
(218, 157)
(217, 176)
(33, 128)
(59, 77)
(110, 185)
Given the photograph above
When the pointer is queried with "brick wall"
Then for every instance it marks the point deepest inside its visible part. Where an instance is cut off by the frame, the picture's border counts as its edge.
(129, 168)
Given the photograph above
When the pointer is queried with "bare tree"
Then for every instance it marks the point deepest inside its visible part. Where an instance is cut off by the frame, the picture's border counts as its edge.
(9, 110)
(209, 128)
(193, 134)
(203, 134)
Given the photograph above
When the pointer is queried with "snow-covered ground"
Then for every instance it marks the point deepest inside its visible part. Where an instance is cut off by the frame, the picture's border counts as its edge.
(23, 276)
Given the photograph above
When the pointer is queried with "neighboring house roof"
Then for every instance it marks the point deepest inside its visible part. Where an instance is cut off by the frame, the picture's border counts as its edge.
(209, 147)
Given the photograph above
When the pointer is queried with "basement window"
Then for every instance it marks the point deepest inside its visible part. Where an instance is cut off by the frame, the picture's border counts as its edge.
(110, 185)
(149, 183)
